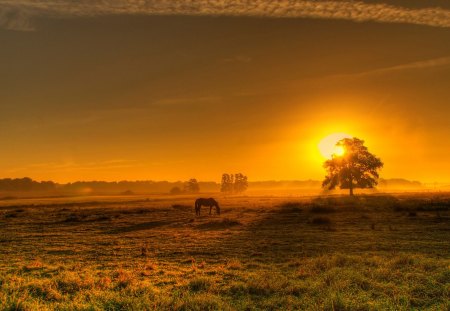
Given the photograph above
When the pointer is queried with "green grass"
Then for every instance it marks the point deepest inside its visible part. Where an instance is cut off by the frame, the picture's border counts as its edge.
(262, 253)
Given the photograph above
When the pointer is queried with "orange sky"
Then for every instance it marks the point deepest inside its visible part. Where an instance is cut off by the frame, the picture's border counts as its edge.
(168, 97)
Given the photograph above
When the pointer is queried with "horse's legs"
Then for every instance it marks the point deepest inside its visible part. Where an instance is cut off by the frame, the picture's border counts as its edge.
(197, 209)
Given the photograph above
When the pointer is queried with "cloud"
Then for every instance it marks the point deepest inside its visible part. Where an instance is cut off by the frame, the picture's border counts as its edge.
(19, 14)
(436, 62)
(417, 65)
(424, 64)
(15, 18)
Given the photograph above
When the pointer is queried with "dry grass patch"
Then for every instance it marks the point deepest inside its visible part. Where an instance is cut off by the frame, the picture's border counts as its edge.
(234, 264)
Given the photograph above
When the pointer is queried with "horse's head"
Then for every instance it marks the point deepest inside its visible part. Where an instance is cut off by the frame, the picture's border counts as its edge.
(217, 208)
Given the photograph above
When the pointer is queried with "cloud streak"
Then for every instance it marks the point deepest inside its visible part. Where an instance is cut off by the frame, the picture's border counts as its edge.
(436, 62)
(424, 64)
(19, 14)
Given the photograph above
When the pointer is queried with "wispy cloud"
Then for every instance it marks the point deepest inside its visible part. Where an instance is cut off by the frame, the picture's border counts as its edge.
(423, 64)
(436, 62)
(19, 14)
(15, 18)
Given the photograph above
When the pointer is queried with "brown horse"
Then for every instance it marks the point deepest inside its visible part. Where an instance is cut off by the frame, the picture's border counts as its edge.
(206, 202)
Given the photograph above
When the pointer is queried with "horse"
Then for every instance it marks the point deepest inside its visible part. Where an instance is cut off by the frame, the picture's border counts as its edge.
(206, 202)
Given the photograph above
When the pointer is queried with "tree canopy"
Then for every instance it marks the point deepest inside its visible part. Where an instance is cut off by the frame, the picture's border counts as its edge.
(355, 168)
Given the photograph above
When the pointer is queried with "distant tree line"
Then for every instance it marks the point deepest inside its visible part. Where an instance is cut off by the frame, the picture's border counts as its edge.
(26, 184)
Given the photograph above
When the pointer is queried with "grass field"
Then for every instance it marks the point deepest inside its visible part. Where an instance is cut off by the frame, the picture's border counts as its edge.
(371, 252)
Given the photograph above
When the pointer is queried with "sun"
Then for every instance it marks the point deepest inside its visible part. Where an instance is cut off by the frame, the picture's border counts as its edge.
(339, 151)
(327, 146)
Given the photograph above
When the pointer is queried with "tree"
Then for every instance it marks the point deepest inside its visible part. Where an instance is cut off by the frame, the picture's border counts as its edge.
(176, 191)
(355, 168)
(192, 186)
(233, 183)
(240, 183)
(227, 183)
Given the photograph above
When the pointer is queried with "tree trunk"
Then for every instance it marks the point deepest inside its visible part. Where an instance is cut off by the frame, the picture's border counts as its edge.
(351, 186)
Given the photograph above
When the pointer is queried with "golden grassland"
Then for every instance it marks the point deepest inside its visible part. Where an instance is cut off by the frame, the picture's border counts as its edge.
(370, 252)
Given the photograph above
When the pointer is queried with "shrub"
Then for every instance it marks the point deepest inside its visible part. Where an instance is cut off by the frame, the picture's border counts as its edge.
(175, 191)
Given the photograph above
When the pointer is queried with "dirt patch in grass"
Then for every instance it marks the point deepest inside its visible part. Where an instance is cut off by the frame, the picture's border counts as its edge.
(74, 218)
(182, 207)
(316, 209)
(291, 207)
(11, 215)
(101, 218)
(143, 226)
(412, 214)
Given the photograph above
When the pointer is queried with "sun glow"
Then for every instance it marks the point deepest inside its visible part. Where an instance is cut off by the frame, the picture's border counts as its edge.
(327, 146)
(339, 151)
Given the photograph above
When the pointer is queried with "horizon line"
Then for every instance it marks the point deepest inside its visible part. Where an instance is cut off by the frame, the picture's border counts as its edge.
(218, 182)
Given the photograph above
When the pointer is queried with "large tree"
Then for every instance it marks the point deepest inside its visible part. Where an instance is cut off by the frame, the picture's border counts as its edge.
(355, 168)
